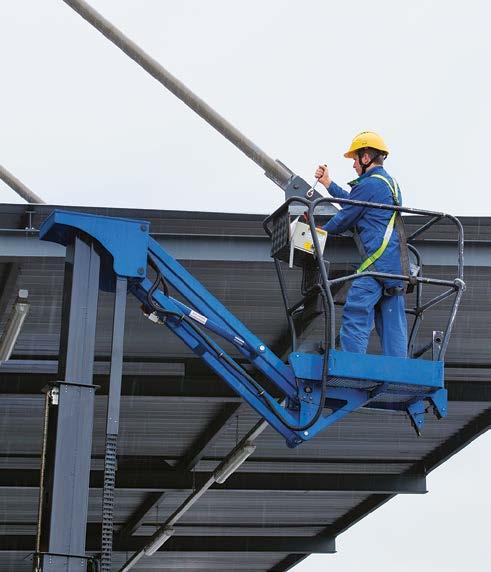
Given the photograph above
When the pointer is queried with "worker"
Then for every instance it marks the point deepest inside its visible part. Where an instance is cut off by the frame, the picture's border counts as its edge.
(369, 299)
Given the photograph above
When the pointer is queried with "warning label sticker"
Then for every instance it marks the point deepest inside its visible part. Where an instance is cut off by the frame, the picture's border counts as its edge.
(198, 317)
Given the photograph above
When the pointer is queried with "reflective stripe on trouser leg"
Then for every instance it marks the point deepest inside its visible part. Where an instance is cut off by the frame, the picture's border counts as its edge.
(391, 325)
(358, 314)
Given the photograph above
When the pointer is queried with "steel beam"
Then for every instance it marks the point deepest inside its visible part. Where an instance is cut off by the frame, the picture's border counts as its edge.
(280, 544)
(15, 246)
(144, 479)
(455, 443)
(346, 521)
(158, 464)
(277, 482)
(16, 380)
(191, 458)
(355, 483)
(245, 544)
(133, 368)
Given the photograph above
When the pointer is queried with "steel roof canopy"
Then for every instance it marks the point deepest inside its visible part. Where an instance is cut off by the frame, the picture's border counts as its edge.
(178, 422)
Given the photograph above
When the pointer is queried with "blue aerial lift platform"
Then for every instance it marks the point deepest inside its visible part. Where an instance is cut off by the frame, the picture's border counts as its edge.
(317, 388)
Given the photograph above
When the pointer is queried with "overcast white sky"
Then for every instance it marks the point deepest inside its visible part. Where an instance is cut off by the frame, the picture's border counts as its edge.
(81, 124)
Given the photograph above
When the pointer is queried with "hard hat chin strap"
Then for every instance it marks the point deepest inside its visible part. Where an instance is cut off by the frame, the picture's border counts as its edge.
(360, 154)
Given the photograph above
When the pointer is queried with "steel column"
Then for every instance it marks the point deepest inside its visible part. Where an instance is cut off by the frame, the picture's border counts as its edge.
(70, 408)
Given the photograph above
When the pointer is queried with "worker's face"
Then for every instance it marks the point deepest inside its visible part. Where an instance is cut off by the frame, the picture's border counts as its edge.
(356, 163)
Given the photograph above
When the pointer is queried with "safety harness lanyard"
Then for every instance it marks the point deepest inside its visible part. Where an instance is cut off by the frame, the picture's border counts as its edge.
(388, 231)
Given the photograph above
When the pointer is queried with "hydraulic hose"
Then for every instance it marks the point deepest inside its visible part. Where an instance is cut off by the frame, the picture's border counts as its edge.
(222, 356)
(318, 413)
(289, 317)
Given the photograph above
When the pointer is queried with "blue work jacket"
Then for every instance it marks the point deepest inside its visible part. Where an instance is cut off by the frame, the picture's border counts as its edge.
(370, 223)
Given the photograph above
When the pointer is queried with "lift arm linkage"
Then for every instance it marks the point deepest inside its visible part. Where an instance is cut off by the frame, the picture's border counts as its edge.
(127, 250)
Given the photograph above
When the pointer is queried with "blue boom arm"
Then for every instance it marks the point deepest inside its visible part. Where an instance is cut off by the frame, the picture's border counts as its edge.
(307, 384)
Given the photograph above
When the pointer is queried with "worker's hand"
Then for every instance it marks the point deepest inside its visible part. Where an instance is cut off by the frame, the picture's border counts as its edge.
(322, 174)
(304, 218)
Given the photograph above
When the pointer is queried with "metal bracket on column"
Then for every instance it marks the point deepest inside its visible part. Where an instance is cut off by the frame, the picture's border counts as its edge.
(38, 556)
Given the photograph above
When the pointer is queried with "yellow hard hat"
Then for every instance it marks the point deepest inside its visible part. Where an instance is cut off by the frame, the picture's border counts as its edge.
(366, 139)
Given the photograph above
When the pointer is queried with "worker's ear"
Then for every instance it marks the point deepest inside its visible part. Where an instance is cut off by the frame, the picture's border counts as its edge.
(365, 159)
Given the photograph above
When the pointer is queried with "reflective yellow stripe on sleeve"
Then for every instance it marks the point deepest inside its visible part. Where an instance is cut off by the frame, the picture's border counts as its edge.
(388, 231)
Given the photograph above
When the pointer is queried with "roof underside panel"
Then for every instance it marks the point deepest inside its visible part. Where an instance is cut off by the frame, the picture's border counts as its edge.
(243, 287)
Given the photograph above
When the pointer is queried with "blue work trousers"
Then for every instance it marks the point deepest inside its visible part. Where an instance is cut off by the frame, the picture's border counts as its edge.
(367, 304)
